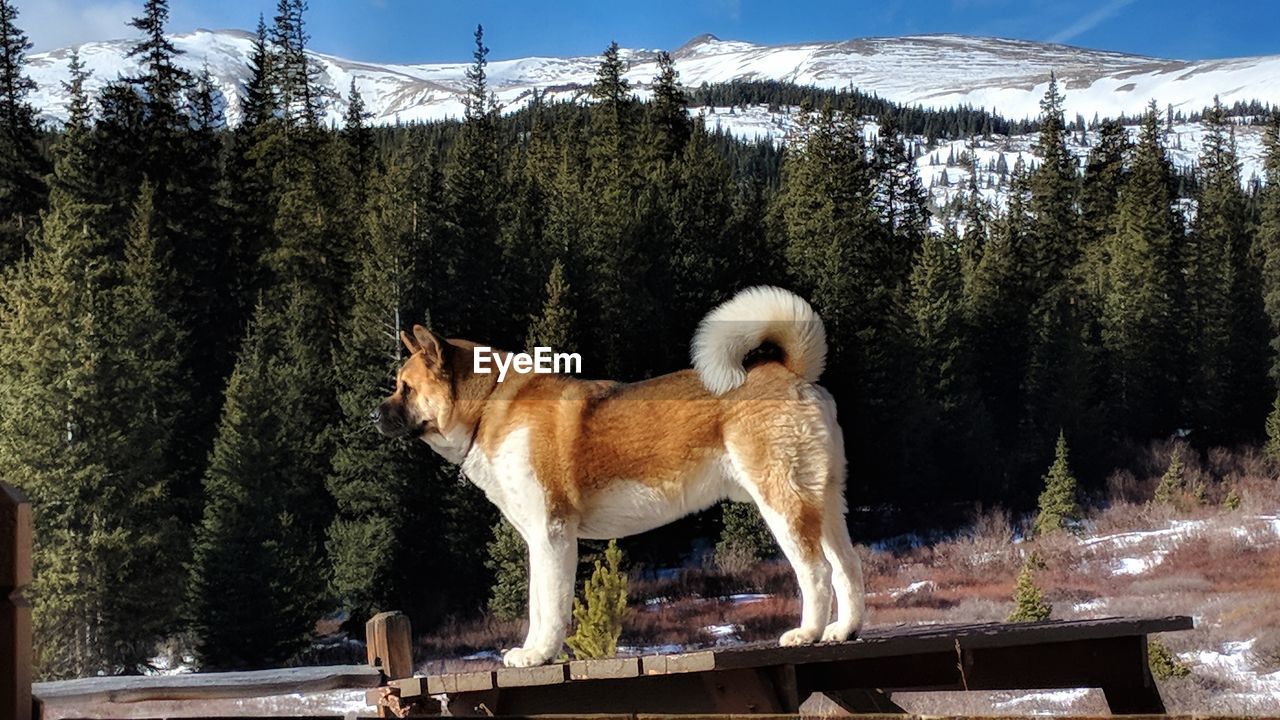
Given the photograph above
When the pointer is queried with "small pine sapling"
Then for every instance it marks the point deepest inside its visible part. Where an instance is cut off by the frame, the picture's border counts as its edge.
(1029, 602)
(599, 613)
(1173, 481)
(1232, 502)
(1058, 505)
(1164, 664)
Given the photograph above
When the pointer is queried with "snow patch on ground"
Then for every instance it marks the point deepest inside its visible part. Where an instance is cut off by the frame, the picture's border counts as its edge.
(915, 587)
(1091, 606)
(1234, 663)
(1058, 699)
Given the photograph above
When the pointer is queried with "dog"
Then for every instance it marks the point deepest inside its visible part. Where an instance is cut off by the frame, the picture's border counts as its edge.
(566, 458)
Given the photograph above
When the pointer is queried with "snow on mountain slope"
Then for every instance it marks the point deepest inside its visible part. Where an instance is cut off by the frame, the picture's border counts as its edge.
(1008, 76)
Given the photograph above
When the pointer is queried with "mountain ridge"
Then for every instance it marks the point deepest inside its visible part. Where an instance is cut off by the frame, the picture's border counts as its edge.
(938, 70)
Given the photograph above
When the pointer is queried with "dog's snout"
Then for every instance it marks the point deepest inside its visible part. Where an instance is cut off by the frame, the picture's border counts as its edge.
(375, 415)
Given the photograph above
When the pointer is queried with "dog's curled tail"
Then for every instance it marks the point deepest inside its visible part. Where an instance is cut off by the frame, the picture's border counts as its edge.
(751, 320)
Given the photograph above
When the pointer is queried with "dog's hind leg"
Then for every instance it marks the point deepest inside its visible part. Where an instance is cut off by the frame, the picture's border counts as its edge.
(846, 576)
(796, 523)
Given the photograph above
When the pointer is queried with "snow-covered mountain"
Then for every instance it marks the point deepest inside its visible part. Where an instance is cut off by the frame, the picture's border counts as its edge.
(1007, 76)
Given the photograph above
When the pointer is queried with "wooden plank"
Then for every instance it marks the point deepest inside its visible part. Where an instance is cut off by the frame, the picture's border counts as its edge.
(883, 643)
(678, 663)
(526, 677)
(410, 687)
(603, 668)
(473, 681)
(15, 612)
(208, 686)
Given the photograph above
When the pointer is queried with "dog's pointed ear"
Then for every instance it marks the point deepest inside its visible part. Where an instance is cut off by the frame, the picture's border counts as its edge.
(410, 343)
(430, 345)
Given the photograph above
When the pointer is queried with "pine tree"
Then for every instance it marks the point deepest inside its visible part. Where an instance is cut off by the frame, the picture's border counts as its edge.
(1058, 388)
(1174, 480)
(293, 74)
(900, 199)
(744, 539)
(1143, 332)
(1224, 288)
(22, 166)
(162, 80)
(1268, 239)
(253, 152)
(257, 97)
(1053, 187)
(977, 215)
(615, 262)
(997, 305)
(1058, 505)
(668, 112)
(1164, 664)
(1272, 447)
(509, 563)
(1029, 602)
(704, 262)
(91, 393)
(840, 255)
(1232, 501)
(473, 190)
(554, 327)
(952, 421)
(257, 586)
(369, 548)
(1104, 176)
(598, 615)
(358, 149)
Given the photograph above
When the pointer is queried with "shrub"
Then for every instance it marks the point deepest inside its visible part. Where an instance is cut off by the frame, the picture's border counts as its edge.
(1272, 448)
(1232, 501)
(598, 615)
(1058, 505)
(1173, 480)
(1029, 602)
(1164, 664)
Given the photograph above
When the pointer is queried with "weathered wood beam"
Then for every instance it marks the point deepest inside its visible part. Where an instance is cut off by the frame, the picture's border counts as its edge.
(15, 612)
(208, 686)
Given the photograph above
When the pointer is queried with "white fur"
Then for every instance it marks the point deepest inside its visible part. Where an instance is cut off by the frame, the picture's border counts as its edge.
(508, 480)
(626, 507)
(750, 318)
(452, 446)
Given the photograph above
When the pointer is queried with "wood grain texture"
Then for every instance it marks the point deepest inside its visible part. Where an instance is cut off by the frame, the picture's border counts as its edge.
(15, 612)
(208, 686)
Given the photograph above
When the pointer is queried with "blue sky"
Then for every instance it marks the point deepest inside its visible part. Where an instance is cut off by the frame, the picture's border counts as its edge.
(434, 31)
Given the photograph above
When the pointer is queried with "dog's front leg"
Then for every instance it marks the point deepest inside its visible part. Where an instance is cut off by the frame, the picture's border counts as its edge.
(553, 556)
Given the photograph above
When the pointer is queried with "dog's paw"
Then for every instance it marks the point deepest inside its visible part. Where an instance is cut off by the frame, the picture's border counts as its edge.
(798, 636)
(523, 657)
(839, 632)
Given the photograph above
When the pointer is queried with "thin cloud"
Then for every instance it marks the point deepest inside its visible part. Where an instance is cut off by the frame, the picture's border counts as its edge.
(1090, 21)
(57, 23)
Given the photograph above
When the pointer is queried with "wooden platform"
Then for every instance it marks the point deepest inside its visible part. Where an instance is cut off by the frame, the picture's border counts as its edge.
(1109, 653)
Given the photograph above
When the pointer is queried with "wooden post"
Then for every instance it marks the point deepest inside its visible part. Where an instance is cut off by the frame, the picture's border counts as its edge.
(390, 643)
(389, 640)
(15, 613)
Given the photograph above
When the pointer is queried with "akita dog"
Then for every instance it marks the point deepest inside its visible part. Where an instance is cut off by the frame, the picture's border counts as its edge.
(564, 458)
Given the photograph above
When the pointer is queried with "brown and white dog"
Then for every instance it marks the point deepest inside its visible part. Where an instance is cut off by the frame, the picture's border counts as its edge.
(564, 458)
